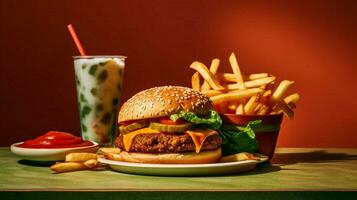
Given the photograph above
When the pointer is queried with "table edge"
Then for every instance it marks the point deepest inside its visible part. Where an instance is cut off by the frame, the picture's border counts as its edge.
(175, 190)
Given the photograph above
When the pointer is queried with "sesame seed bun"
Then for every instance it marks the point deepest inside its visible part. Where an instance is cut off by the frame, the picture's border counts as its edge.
(167, 158)
(164, 101)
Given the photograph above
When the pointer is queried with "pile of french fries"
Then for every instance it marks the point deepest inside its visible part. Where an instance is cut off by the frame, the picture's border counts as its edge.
(82, 161)
(75, 162)
(255, 94)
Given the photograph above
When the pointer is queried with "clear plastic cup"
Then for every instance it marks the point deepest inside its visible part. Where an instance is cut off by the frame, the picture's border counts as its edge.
(99, 84)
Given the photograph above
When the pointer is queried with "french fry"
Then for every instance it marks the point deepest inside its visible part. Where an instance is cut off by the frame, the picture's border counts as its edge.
(292, 105)
(276, 112)
(265, 98)
(228, 77)
(257, 76)
(240, 109)
(239, 157)
(195, 81)
(250, 105)
(80, 157)
(263, 110)
(233, 96)
(234, 91)
(213, 68)
(109, 150)
(236, 70)
(277, 96)
(68, 167)
(207, 75)
(257, 108)
(293, 98)
(281, 105)
(92, 163)
(115, 156)
(205, 86)
(252, 84)
(267, 94)
(281, 89)
(212, 93)
(259, 82)
(255, 104)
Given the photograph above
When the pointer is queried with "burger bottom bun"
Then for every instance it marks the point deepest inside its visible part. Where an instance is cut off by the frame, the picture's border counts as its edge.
(168, 158)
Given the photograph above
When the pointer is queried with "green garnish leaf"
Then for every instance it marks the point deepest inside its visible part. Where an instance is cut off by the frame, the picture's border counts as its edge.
(237, 139)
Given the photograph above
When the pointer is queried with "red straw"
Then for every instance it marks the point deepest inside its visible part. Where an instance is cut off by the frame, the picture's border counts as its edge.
(76, 40)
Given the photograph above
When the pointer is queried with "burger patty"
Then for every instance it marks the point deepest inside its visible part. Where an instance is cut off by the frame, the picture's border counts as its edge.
(168, 143)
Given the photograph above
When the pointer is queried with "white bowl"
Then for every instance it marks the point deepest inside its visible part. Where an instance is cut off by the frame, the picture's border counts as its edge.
(53, 154)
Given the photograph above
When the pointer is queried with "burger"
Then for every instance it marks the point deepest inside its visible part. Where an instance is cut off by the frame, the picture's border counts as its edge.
(177, 125)
(169, 125)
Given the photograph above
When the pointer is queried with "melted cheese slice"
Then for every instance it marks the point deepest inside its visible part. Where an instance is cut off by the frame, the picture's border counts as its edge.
(198, 136)
(129, 137)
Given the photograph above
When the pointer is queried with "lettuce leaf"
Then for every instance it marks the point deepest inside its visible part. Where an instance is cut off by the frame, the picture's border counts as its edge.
(211, 121)
(237, 139)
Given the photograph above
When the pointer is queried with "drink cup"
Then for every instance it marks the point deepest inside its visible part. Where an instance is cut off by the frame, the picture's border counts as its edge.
(99, 84)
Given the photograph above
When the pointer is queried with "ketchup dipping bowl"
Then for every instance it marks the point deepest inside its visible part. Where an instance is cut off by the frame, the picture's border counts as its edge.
(50, 154)
(266, 134)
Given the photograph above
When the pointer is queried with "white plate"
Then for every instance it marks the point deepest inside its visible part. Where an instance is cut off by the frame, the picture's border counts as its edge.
(54, 154)
(184, 169)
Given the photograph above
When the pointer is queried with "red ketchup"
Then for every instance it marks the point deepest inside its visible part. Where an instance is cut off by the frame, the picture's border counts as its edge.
(55, 139)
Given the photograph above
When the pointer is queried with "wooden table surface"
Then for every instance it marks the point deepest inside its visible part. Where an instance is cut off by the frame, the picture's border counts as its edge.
(291, 169)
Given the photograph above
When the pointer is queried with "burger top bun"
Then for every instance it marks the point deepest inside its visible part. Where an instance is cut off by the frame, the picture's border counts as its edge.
(164, 101)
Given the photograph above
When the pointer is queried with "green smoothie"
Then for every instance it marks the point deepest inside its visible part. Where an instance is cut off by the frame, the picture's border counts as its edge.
(99, 83)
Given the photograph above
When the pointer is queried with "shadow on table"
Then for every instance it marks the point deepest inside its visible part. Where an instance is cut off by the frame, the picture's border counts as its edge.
(319, 156)
(281, 159)
(263, 168)
(36, 163)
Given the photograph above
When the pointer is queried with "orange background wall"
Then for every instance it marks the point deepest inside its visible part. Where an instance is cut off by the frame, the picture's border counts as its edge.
(311, 42)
